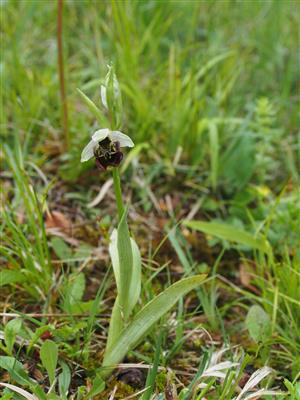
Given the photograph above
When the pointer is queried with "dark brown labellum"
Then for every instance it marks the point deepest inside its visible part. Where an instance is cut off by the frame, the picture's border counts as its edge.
(111, 160)
(108, 154)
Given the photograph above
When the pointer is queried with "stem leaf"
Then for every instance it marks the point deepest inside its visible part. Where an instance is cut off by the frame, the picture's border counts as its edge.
(134, 290)
(125, 257)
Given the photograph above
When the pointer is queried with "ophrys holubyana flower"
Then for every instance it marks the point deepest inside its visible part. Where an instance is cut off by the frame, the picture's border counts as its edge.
(105, 147)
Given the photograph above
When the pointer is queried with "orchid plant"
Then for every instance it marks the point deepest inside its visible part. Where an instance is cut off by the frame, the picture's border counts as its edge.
(126, 330)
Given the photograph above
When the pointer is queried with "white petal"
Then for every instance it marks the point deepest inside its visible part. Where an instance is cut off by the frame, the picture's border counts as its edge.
(120, 137)
(101, 134)
(88, 151)
(103, 96)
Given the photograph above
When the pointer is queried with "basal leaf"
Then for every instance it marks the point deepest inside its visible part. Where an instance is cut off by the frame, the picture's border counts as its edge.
(145, 319)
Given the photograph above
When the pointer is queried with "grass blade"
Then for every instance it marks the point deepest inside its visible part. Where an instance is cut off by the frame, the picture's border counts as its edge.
(214, 153)
(228, 232)
(153, 371)
(92, 107)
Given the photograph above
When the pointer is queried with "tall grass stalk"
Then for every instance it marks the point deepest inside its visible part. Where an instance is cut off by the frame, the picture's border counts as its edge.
(61, 72)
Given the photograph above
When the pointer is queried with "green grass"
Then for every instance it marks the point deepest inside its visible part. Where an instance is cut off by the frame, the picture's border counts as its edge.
(210, 92)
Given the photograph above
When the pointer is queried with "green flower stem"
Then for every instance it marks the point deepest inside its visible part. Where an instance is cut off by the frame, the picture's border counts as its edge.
(118, 192)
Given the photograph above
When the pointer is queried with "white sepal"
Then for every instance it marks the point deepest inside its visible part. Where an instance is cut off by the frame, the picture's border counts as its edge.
(88, 151)
(124, 140)
(100, 135)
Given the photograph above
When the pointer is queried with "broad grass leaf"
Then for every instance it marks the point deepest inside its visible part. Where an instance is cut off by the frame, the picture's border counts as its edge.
(145, 319)
(258, 324)
(228, 232)
(8, 276)
(49, 357)
(15, 370)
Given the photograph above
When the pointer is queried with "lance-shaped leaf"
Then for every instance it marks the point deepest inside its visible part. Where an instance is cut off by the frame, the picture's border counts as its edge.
(145, 319)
